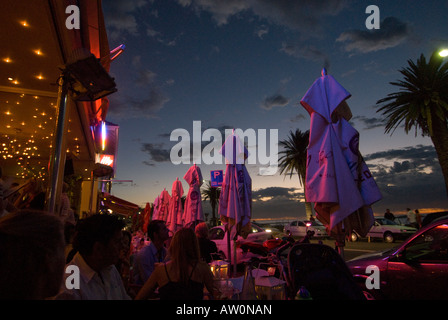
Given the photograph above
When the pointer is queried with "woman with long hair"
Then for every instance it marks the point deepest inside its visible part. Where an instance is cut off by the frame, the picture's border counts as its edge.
(184, 276)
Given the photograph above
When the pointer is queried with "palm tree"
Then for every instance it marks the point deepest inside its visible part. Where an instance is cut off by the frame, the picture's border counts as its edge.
(293, 159)
(422, 102)
(212, 194)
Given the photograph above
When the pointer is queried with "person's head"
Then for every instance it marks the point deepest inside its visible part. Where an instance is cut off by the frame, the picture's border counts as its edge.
(157, 231)
(408, 209)
(201, 230)
(99, 240)
(184, 251)
(31, 255)
(387, 210)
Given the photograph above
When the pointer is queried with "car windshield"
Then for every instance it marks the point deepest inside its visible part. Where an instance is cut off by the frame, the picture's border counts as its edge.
(431, 245)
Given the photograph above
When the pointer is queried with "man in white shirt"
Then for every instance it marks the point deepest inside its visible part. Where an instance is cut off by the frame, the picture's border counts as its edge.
(98, 241)
(412, 219)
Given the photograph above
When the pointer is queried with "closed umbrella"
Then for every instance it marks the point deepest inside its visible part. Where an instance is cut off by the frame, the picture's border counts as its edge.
(164, 200)
(193, 203)
(175, 210)
(236, 192)
(146, 217)
(338, 180)
(156, 207)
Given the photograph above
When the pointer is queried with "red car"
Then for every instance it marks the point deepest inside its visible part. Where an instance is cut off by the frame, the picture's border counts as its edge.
(416, 269)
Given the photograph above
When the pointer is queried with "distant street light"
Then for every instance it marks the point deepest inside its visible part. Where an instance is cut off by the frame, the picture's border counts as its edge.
(443, 53)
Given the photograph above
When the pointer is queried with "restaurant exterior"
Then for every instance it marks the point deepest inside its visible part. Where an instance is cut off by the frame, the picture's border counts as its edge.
(54, 84)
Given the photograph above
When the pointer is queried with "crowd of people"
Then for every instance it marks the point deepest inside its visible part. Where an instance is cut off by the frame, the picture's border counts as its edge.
(55, 256)
(413, 217)
(99, 260)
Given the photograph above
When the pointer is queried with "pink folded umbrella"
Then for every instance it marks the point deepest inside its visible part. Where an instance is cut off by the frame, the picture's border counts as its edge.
(175, 210)
(164, 200)
(193, 203)
(236, 193)
(337, 179)
(155, 210)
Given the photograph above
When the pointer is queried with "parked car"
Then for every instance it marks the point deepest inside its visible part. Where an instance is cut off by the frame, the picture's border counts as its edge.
(416, 269)
(387, 230)
(219, 236)
(299, 228)
(274, 230)
(433, 216)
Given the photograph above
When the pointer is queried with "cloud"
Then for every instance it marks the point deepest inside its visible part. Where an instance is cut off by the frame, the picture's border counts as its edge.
(156, 152)
(274, 202)
(151, 96)
(410, 177)
(370, 123)
(261, 31)
(275, 192)
(127, 107)
(305, 15)
(154, 101)
(297, 118)
(401, 167)
(276, 100)
(421, 153)
(392, 32)
(152, 33)
(119, 16)
(306, 51)
(145, 77)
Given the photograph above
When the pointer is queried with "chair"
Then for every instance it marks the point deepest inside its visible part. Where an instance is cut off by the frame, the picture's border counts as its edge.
(322, 271)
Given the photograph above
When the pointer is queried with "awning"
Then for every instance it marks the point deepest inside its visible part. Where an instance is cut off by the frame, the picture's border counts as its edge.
(118, 205)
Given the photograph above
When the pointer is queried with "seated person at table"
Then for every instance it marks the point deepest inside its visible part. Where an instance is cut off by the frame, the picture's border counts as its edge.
(98, 242)
(154, 252)
(184, 277)
(206, 246)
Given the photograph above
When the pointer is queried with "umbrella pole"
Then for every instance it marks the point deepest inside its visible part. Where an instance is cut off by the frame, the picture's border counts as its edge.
(229, 248)
(339, 235)
(234, 258)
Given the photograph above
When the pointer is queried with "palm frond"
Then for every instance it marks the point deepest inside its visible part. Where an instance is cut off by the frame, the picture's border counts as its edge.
(422, 95)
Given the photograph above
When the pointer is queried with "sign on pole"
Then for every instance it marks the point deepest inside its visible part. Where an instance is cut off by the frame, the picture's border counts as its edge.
(216, 178)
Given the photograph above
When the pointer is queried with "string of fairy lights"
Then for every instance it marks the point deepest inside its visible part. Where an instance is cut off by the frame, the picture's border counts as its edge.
(27, 140)
(28, 113)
